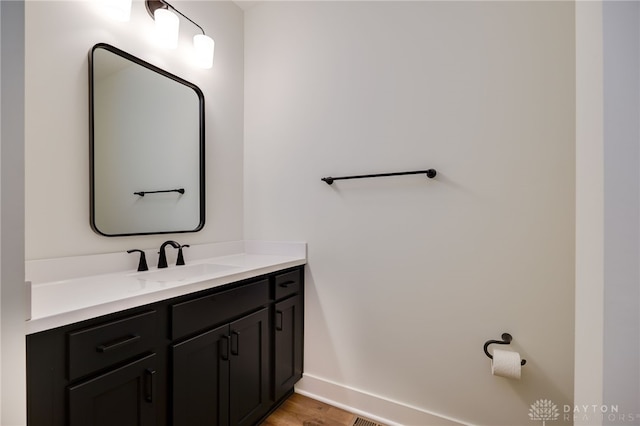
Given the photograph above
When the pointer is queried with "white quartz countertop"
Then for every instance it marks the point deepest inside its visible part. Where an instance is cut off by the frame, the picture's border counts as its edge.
(75, 293)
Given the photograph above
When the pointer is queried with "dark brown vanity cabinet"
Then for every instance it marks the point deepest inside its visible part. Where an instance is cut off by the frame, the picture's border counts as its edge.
(123, 396)
(225, 356)
(288, 332)
(103, 372)
(124, 348)
(221, 375)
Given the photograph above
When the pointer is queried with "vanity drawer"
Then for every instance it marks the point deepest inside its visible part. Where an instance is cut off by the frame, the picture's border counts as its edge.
(94, 348)
(207, 311)
(287, 284)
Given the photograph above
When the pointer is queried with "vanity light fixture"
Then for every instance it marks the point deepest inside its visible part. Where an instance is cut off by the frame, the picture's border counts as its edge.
(204, 47)
(167, 25)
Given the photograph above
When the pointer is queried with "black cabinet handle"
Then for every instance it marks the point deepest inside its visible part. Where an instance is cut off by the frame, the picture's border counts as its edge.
(279, 326)
(149, 384)
(118, 343)
(235, 351)
(224, 351)
(286, 283)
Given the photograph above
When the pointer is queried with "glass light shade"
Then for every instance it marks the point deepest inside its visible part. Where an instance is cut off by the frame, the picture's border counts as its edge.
(118, 9)
(204, 48)
(167, 25)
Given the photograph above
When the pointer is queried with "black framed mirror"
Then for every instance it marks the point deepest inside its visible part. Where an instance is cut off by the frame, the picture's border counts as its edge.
(146, 147)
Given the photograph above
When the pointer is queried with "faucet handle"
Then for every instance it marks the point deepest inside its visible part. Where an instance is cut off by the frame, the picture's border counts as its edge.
(180, 260)
(142, 264)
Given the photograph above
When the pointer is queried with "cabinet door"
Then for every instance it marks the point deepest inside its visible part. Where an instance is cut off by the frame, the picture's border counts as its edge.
(201, 379)
(123, 397)
(249, 377)
(288, 325)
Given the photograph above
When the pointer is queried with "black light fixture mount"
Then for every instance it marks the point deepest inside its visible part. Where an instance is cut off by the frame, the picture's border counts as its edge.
(202, 43)
(152, 5)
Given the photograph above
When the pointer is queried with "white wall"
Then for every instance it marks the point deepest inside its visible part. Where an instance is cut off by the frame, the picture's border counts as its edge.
(589, 209)
(13, 308)
(621, 345)
(607, 211)
(59, 35)
(408, 277)
(1, 366)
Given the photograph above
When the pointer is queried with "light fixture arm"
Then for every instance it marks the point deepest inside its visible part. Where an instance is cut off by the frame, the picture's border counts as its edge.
(152, 5)
(167, 27)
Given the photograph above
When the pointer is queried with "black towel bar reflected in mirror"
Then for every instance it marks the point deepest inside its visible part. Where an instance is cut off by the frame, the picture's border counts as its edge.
(143, 193)
(431, 173)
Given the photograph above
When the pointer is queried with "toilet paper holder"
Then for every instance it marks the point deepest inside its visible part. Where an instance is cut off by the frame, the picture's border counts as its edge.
(506, 339)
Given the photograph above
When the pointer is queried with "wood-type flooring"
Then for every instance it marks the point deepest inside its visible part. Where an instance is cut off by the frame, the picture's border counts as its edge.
(300, 410)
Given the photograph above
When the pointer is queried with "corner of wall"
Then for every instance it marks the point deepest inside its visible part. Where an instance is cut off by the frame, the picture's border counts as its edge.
(589, 291)
(13, 308)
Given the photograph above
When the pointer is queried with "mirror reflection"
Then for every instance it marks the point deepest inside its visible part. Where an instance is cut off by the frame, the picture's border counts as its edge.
(147, 147)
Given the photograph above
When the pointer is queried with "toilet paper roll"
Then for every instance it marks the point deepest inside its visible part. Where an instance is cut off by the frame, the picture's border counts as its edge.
(506, 364)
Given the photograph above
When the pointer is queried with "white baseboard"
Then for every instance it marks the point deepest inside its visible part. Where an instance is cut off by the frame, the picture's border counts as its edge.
(374, 407)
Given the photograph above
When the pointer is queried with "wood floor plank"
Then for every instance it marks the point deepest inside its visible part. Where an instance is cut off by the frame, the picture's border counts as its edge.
(299, 410)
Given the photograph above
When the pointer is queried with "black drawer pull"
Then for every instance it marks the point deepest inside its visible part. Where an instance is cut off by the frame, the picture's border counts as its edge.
(224, 350)
(235, 351)
(279, 326)
(286, 283)
(149, 384)
(118, 343)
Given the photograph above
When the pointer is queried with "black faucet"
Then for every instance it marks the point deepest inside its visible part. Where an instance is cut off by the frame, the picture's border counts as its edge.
(142, 264)
(180, 260)
(162, 260)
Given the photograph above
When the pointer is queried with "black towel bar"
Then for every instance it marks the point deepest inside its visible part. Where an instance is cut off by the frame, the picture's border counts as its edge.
(506, 339)
(143, 193)
(431, 173)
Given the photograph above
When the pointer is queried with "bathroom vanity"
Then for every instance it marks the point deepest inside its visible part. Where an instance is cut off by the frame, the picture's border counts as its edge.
(215, 341)
(225, 349)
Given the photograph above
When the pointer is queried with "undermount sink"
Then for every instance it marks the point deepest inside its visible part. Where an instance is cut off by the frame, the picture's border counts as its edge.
(180, 273)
